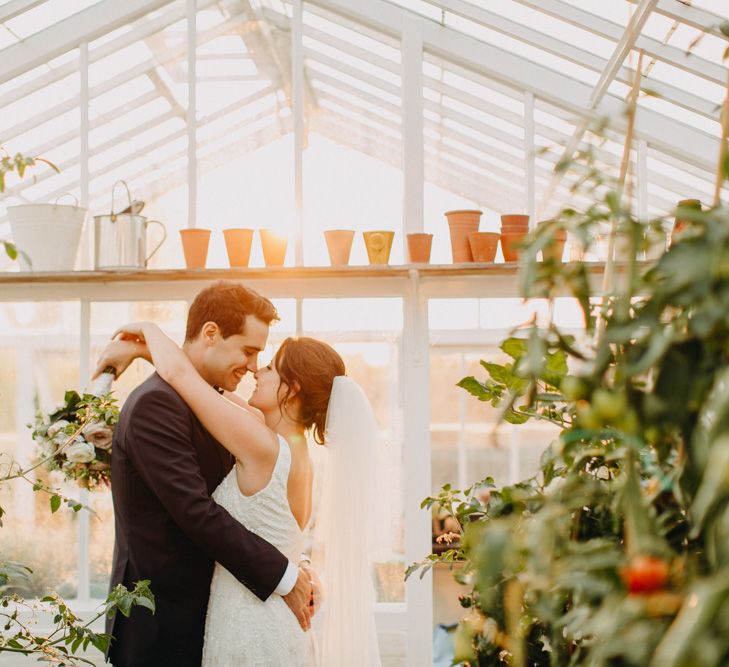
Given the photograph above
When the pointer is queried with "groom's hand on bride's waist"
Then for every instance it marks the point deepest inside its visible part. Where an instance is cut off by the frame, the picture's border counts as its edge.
(316, 588)
(299, 597)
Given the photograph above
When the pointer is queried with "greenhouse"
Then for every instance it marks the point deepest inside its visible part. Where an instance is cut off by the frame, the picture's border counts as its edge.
(505, 226)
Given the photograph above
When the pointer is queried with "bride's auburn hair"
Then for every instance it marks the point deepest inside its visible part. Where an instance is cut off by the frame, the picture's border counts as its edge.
(308, 367)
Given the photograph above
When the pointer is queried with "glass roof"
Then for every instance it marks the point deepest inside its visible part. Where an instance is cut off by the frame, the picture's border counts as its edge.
(474, 98)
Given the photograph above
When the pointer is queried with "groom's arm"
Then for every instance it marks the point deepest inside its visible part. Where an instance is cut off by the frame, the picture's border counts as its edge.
(161, 450)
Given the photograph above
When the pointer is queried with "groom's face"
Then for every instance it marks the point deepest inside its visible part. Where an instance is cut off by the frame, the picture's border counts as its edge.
(227, 360)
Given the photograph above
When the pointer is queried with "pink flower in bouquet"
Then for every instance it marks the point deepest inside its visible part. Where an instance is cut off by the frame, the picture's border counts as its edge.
(99, 435)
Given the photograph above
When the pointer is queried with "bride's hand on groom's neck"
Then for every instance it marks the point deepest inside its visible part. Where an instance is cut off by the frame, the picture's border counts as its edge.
(119, 354)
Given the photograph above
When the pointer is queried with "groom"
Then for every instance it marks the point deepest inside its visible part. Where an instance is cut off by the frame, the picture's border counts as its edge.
(165, 466)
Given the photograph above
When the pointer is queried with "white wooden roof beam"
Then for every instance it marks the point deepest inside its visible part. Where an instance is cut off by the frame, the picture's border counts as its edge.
(17, 7)
(85, 26)
(560, 90)
(695, 17)
(120, 79)
(622, 49)
(67, 164)
(576, 55)
(610, 30)
(141, 31)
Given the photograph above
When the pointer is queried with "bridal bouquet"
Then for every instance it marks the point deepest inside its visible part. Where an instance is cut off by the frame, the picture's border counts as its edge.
(76, 437)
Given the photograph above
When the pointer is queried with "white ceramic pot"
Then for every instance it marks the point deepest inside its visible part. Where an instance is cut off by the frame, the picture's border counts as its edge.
(46, 235)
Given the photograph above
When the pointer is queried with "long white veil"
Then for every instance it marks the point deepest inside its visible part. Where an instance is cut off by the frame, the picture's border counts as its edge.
(346, 530)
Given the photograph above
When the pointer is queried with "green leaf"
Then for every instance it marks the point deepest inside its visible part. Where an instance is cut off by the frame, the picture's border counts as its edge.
(476, 388)
(55, 503)
(714, 489)
(10, 249)
(724, 28)
(697, 616)
(514, 347)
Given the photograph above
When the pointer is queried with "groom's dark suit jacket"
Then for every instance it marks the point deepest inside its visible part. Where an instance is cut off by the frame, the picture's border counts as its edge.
(165, 465)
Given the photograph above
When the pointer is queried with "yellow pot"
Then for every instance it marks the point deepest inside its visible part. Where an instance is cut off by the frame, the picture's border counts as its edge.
(378, 246)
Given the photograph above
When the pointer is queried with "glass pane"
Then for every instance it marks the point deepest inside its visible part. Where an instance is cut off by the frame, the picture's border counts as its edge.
(137, 113)
(39, 343)
(352, 161)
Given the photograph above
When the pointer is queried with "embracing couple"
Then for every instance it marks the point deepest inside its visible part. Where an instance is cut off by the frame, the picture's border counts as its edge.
(212, 495)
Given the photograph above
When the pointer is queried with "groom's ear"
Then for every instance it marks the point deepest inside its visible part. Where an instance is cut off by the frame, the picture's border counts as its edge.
(209, 332)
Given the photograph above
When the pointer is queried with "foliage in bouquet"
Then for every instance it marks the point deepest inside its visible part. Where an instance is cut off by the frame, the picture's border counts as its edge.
(617, 551)
(76, 437)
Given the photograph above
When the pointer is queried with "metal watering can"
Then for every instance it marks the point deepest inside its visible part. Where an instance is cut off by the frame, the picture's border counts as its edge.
(120, 239)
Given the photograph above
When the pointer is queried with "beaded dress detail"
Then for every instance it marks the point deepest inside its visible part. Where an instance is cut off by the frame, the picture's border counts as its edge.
(240, 629)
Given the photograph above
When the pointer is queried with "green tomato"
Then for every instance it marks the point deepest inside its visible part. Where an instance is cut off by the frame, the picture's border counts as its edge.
(652, 435)
(574, 388)
(629, 423)
(609, 405)
(588, 416)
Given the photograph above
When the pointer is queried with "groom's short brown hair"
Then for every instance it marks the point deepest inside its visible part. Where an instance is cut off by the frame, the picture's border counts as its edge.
(227, 304)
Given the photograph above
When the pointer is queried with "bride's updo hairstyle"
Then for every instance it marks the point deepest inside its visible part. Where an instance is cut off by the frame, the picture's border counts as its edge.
(311, 366)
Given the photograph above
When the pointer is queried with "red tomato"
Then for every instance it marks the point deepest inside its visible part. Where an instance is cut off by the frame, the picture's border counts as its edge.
(645, 574)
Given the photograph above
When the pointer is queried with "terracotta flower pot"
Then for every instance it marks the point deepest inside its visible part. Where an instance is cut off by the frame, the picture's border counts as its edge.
(514, 220)
(195, 246)
(419, 246)
(461, 224)
(378, 246)
(274, 248)
(483, 245)
(509, 241)
(238, 244)
(555, 250)
(339, 245)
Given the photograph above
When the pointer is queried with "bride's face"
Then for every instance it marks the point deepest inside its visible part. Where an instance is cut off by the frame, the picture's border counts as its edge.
(265, 396)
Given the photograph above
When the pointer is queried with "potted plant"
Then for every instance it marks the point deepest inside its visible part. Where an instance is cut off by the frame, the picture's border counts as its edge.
(47, 235)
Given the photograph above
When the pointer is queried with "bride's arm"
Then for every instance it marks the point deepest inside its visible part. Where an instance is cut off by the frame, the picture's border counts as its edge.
(232, 396)
(240, 431)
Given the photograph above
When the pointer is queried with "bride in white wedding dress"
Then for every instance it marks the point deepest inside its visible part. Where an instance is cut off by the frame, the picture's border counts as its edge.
(304, 389)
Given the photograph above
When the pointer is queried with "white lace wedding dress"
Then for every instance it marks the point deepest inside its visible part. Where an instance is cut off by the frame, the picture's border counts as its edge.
(242, 631)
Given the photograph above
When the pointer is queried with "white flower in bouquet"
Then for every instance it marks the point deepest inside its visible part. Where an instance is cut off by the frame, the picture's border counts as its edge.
(98, 435)
(48, 446)
(57, 428)
(80, 451)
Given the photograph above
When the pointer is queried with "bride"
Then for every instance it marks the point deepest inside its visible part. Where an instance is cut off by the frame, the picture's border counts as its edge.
(304, 389)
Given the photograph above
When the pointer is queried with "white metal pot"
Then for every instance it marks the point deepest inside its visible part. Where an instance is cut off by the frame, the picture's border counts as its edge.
(46, 235)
